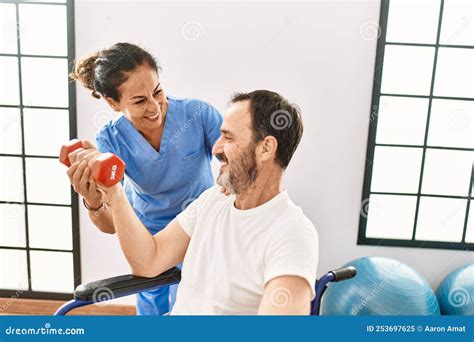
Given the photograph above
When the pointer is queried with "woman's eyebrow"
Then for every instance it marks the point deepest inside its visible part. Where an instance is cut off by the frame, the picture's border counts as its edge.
(140, 96)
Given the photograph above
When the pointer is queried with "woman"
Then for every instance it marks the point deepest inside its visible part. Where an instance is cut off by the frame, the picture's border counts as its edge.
(165, 141)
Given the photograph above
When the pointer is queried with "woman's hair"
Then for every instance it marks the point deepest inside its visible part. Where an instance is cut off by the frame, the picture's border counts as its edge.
(105, 70)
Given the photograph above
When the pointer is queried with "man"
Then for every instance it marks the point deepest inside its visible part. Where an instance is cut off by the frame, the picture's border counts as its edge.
(251, 252)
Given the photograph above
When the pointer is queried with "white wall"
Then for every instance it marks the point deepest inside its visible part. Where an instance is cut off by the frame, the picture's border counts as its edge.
(311, 52)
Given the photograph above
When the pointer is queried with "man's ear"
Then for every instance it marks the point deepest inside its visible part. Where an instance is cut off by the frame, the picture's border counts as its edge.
(268, 148)
(112, 103)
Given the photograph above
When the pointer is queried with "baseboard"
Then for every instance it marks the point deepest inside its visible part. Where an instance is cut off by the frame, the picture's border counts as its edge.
(19, 306)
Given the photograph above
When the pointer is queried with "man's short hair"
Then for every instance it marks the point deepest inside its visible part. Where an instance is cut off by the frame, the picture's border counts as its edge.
(272, 114)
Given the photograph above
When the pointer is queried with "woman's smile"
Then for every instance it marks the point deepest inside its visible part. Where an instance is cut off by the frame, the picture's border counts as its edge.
(153, 118)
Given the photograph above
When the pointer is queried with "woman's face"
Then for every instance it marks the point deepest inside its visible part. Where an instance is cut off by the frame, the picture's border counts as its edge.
(142, 99)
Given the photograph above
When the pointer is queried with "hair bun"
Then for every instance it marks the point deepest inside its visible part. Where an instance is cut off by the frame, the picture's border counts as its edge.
(84, 72)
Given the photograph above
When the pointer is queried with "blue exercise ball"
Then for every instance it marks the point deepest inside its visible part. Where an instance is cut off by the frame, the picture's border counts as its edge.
(456, 292)
(381, 287)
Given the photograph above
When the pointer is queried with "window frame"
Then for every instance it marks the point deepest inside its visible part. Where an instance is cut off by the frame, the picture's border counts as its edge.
(376, 94)
(72, 133)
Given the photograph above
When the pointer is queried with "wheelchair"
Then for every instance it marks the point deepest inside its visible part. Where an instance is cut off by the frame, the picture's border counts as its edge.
(126, 285)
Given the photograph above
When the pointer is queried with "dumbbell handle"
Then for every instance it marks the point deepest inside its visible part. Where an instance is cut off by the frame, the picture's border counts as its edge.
(107, 169)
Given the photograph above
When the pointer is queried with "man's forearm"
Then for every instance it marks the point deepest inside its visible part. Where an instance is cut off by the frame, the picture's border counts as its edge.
(136, 241)
(102, 219)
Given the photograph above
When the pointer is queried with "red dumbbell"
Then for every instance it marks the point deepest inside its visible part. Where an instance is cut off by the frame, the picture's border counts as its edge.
(107, 169)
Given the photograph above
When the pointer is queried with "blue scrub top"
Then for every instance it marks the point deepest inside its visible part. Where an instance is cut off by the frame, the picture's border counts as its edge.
(159, 185)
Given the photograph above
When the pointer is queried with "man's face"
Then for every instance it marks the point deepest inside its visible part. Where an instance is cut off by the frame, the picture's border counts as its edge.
(236, 150)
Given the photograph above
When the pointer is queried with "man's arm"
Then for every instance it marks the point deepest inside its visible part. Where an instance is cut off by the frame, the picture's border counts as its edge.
(286, 295)
(147, 255)
(83, 184)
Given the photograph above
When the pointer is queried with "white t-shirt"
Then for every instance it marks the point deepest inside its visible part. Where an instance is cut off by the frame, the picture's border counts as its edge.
(233, 253)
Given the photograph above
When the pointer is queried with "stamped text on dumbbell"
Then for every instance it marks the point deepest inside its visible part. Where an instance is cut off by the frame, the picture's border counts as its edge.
(114, 172)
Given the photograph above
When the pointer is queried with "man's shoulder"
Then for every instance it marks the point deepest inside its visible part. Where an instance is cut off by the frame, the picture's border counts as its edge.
(214, 190)
(292, 219)
(292, 235)
(211, 195)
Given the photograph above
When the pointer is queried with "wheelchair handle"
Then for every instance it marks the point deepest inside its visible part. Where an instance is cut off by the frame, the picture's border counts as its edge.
(344, 273)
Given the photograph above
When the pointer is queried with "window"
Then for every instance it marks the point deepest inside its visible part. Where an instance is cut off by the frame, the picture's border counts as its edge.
(39, 241)
(419, 173)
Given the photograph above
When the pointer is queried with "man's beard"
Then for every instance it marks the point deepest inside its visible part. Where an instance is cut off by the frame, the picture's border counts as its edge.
(241, 173)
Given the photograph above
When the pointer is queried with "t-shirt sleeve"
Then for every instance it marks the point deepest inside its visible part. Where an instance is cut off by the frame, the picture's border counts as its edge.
(294, 251)
(211, 122)
(188, 218)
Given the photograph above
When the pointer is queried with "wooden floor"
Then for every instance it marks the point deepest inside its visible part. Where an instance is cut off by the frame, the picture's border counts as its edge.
(18, 306)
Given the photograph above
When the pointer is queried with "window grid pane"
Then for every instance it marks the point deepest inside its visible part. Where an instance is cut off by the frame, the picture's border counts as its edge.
(33, 47)
(444, 133)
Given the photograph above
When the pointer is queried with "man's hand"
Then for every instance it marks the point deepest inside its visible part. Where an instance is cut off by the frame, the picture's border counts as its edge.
(286, 295)
(80, 174)
(81, 153)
